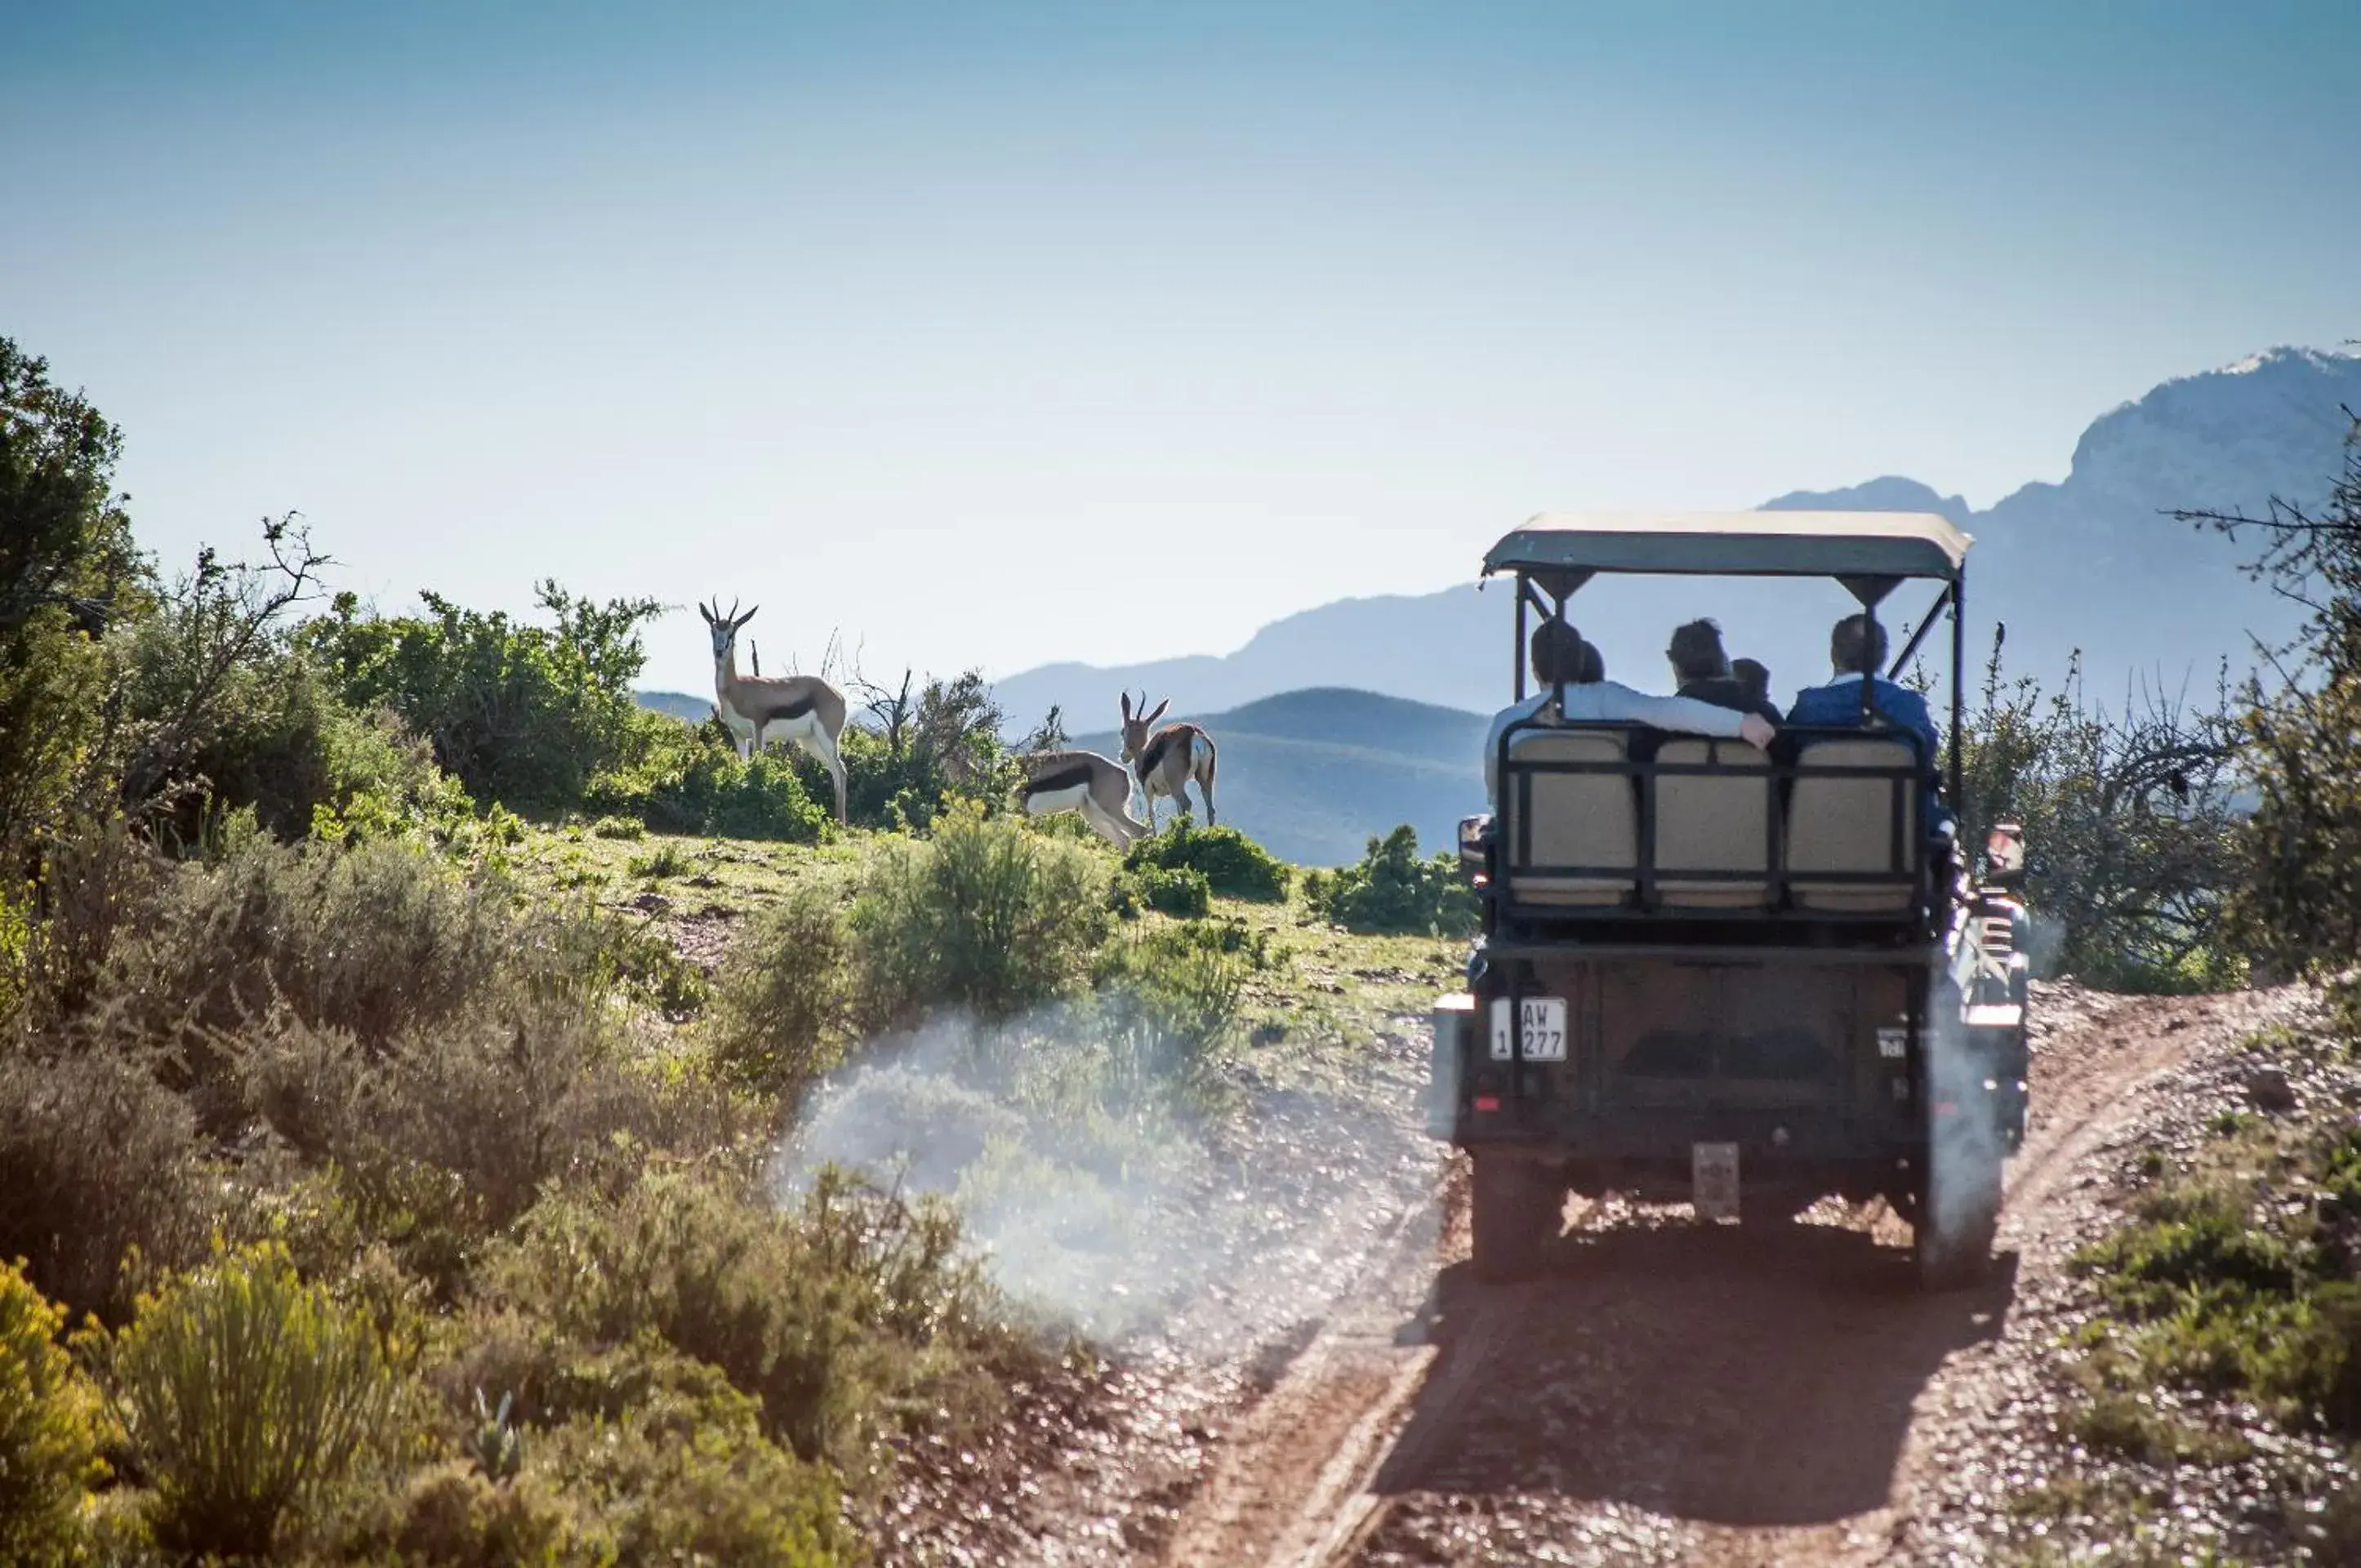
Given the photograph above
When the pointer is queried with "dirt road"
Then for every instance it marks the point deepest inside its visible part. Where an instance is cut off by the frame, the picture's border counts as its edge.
(1666, 1392)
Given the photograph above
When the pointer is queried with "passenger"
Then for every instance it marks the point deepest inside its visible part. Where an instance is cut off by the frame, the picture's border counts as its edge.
(1591, 697)
(1756, 678)
(1702, 670)
(1856, 650)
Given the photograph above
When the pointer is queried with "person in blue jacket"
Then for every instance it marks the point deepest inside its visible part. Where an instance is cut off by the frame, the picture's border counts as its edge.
(1857, 651)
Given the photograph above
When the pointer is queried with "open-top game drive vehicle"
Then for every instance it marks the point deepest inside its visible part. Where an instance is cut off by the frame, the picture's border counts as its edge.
(1746, 978)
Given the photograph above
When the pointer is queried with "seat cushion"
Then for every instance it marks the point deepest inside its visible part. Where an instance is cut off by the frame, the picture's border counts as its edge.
(1864, 827)
(1588, 821)
(1719, 822)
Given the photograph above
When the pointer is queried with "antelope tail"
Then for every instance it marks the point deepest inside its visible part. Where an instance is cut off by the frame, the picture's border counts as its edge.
(1205, 779)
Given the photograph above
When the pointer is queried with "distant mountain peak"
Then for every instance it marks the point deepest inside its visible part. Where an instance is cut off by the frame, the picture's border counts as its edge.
(1889, 492)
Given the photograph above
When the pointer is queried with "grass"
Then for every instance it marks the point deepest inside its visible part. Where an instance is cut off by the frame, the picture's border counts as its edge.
(1308, 1022)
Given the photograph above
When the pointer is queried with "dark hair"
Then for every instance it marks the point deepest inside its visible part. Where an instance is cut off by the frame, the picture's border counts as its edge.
(1557, 651)
(1753, 676)
(1857, 646)
(1696, 651)
(1593, 668)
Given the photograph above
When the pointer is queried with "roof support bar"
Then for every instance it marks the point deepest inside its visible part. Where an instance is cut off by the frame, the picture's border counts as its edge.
(1926, 624)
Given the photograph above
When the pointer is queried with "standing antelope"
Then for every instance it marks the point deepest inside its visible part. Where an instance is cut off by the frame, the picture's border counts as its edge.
(804, 709)
(1082, 782)
(1165, 763)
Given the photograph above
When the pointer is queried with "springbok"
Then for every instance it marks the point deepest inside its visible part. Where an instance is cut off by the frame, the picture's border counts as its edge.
(1165, 763)
(803, 708)
(1082, 782)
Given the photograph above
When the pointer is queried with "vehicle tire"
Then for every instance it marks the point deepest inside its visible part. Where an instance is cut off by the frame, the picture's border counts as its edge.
(1517, 1206)
(1953, 1234)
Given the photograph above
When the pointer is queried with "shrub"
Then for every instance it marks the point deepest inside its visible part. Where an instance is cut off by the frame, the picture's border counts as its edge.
(523, 715)
(920, 748)
(663, 860)
(1233, 864)
(245, 1394)
(1393, 890)
(619, 828)
(779, 1019)
(49, 1432)
(830, 1314)
(1181, 891)
(690, 779)
(691, 1481)
(447, 1135)
(983, 916)
(2128, 826)
(1168, 1005)
(371, 939)
(96, 1160)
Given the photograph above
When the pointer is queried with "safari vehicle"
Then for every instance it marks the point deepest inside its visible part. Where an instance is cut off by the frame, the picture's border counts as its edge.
(1748, 980)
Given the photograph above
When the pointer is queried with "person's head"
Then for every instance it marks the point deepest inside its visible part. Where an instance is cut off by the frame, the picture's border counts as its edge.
(1752, 678)
(1556, 650)
(1696, 651)
(1857, 646)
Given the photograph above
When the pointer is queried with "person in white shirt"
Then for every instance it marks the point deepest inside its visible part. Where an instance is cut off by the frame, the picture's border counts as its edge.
(1591, 697)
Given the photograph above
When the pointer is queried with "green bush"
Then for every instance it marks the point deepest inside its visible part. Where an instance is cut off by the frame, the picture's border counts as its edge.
(832, 1314)
(230, 716)
(523, 715)
(663, 860)
(1181, 891)
(983, 916)
(920, 748)
(1394, 890)
(370, 938)
(1234, 865)
(245, 1394)
(679, 1481)
(443, 1138)
(689, 779)
(49, 1432)
(778, 1023)
(1167, 1006)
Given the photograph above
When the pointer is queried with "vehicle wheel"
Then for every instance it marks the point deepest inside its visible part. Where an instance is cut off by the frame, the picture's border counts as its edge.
(1516, 1205)
(1952, 1231)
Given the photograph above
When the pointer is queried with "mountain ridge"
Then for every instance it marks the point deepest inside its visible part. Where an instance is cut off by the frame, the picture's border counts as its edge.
(2223, 438)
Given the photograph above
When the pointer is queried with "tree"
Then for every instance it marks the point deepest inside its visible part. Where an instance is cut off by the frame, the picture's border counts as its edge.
(2300, 904)
(523, 715)
(2128, 822)
(68, 570)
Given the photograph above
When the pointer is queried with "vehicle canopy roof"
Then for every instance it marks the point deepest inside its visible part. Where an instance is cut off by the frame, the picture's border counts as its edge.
(1856, 545)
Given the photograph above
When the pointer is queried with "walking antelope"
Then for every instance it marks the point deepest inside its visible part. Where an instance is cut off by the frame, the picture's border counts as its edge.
(803, 708)
(1165, 763)
(1083, 781)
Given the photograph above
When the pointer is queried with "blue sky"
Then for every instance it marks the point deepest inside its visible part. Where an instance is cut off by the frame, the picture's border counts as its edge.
(996, 334)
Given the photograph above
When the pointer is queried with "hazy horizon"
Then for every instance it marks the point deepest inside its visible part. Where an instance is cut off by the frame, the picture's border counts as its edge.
(1109, 332)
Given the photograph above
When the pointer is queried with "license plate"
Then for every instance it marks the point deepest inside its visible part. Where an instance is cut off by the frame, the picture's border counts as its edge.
(1541, 1029)
(1713, 1180)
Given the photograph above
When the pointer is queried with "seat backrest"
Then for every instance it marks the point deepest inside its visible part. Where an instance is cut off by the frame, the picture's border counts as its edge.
(1586, 820)
(1718, 822)
(1864, 829)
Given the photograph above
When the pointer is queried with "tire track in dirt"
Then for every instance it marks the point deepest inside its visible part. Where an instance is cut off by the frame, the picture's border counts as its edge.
(1664, 1392)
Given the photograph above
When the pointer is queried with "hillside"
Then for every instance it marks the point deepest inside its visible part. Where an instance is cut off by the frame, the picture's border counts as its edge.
(680, 705)
(1314, 774)
(2176, 604)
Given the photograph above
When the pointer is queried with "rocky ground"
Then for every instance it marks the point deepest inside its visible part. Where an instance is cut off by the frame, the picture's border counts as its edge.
(1342, 1392)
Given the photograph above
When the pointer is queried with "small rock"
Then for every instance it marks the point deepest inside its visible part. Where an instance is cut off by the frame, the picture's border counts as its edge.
(2268, 1088)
